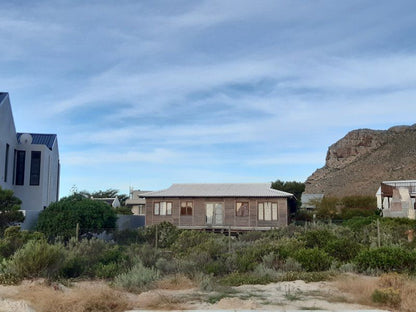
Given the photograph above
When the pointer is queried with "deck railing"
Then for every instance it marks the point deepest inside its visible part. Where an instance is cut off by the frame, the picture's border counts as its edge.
(387, 189)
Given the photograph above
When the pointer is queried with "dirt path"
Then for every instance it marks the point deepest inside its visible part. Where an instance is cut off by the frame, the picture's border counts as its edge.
(284, 296)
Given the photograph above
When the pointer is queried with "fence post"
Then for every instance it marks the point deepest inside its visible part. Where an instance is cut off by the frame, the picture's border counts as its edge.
(77, 231)
(156, 238)
(378, 233)
(229, 238)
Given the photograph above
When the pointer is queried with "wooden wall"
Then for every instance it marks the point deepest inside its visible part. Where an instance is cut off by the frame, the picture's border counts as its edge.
(198, 217)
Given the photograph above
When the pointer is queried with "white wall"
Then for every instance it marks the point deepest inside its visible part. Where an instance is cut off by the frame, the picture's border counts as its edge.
(7, 136)
(34, 197)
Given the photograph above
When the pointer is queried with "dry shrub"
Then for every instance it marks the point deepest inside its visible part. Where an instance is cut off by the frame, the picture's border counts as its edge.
(88, 297)
(408, 296)
(360, 288)
(392, 280)
(158, 300)
(390, 290)
(175, 282)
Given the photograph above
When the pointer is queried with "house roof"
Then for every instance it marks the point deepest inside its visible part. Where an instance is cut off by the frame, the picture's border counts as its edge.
(219, 190)
(40, 138)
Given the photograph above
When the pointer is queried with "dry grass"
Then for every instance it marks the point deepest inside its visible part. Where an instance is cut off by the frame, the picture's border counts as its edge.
(84, 297)
(361, 289)
(175, 282)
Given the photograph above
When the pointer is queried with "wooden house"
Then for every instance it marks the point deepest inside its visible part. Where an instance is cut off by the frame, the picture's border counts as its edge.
(237, 206)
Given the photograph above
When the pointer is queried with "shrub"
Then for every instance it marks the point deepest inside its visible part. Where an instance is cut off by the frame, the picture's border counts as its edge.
(166, 266)
(62, 217)
(317, 238)
(137, 278)
(14, 239)
(343, 249)
(388, 258)
(37, 259)
(313, 259)
(291, 265)
(238, 279)
(357, 201)
(167, 234)
(388, 296)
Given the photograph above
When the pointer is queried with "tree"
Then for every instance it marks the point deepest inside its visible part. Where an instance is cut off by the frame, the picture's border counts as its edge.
(61, 218)
(9, 209)
(109, 193)
(293, 187)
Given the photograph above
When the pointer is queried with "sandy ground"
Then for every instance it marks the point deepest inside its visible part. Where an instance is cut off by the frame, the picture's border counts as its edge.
(284, 296)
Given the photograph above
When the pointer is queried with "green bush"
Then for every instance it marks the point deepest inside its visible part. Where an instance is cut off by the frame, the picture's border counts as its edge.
(388, 258)
(313, 259)
(357, 201)
(343, 249)
(238, 279)
(137, 279)
(319, 238)
(37, 258)
(14, 239)
(349, 213)
(167, 234)
(62, 217)
(92, 257)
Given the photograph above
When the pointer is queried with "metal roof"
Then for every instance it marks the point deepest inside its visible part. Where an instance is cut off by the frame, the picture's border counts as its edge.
(39, 138)
(219, 190)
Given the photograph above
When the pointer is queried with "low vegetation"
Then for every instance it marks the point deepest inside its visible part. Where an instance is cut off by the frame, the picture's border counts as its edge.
(139, 260)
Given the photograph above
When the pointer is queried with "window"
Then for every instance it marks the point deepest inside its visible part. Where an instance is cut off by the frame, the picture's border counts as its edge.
(35, 168)
(163, 208)
(20, 167)
(267, 211)
(6, 163)
(241, 209)
(186, 208)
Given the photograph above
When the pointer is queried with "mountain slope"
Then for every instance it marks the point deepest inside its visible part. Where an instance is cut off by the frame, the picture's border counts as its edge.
(356, 164)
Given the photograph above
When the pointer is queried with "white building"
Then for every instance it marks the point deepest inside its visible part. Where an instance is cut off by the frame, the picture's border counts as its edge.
(397, 198)
(29, 162)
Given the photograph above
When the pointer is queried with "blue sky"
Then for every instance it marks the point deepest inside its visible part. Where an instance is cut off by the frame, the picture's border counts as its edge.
(150, 93)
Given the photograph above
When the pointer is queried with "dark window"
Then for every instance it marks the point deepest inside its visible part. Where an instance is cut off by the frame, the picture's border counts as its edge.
(241, 209)
(20, 167)
(186, 208)
(35, 168)
(6, 163)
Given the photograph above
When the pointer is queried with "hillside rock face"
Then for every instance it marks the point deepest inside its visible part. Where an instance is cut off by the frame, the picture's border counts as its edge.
(356, 164)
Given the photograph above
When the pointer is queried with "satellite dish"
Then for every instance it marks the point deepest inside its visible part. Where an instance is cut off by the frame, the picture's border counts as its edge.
(26, 138)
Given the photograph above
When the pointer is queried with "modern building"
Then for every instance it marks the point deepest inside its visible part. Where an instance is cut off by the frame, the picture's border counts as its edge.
(29, 162)
(240, 206)
(397, 198)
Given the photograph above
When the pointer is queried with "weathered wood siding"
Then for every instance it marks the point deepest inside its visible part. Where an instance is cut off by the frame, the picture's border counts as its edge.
(230, 218)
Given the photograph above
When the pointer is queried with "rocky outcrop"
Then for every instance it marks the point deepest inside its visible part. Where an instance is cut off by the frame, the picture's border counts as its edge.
(356, 164)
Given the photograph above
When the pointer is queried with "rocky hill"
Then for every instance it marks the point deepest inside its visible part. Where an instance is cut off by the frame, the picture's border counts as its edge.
(356, 164)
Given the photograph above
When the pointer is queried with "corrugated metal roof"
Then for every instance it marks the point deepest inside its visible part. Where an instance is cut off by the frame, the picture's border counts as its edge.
(219, 190)
(40, 138)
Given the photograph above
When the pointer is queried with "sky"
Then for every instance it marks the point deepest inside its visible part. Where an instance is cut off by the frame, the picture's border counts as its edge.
(144, 94)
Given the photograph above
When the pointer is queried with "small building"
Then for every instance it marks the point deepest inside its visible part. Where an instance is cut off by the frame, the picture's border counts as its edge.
(397, 198)
(113, 201)
(29, 163)
(239, 206)
(137, 203)
(309, 200)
